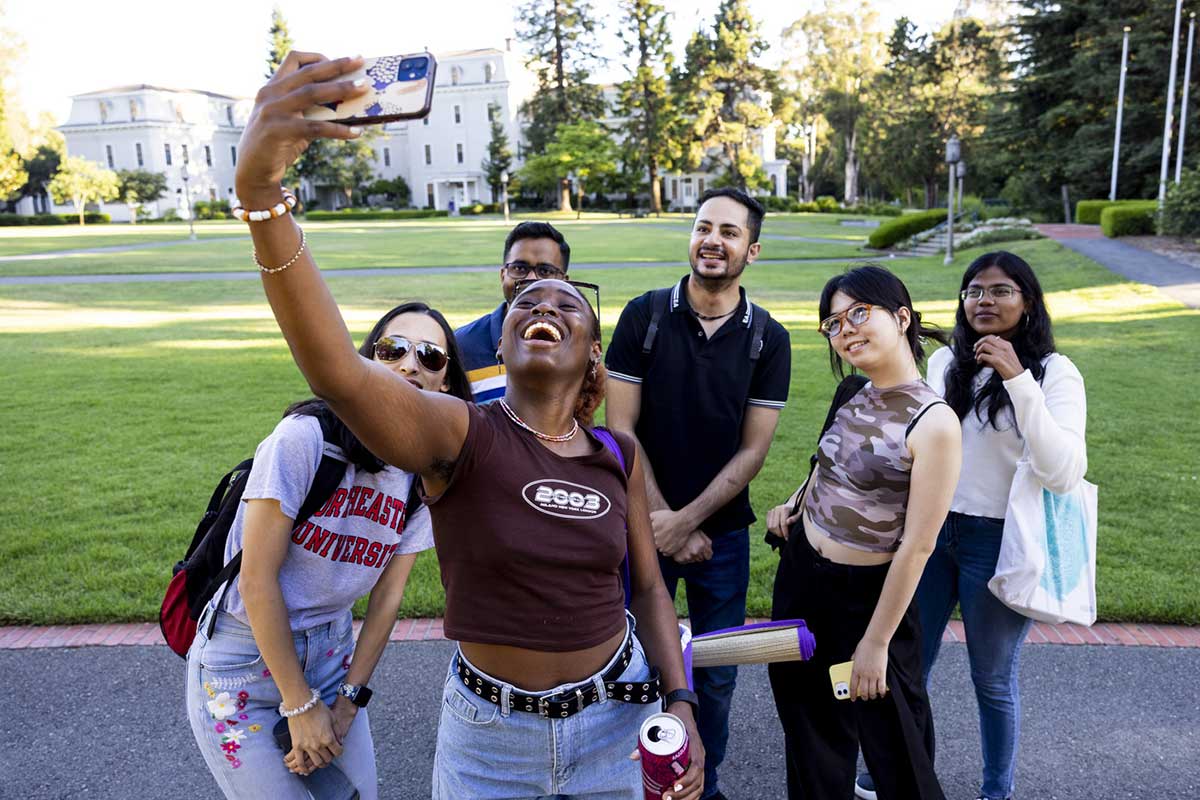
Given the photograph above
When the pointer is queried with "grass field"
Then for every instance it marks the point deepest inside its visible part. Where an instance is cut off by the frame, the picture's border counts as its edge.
(125, 402)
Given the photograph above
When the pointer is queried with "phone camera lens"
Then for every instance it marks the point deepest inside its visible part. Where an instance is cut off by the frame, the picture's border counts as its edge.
(405, 64)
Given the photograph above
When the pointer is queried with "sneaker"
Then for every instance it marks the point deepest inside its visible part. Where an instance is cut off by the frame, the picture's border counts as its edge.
(864, 787)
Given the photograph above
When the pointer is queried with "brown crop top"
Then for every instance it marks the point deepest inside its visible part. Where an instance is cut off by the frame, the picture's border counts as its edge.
(530, 543)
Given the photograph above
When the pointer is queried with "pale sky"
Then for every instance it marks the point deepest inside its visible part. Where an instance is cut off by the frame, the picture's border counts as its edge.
(78, 46)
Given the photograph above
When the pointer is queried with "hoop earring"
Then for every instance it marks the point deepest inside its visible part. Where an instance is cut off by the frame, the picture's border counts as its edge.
(499, 358)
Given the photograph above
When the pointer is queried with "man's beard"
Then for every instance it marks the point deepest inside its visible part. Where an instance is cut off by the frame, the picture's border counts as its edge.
(714, 283)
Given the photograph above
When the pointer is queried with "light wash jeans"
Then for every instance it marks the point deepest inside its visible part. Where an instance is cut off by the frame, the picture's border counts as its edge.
(957, 573)
(233, 705)
(485, 752)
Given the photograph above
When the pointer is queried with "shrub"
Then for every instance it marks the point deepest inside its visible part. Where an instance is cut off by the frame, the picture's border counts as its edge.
(472, 210)
(1181, 210)
(773, 203)
(1129, 219)
(982, 237)
(904, 226)
(1087, 212)
(827, 204)
(358, 214)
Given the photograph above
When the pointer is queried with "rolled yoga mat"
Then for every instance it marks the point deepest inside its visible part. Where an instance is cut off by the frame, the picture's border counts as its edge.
(761, 643)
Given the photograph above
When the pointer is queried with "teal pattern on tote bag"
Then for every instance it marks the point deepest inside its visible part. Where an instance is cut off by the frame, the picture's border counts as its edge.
(1066, 543)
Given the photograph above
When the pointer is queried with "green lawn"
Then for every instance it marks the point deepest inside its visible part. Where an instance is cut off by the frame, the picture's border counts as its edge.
(125, 402)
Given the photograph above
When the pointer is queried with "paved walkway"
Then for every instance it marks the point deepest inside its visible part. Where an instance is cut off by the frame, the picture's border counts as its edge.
(424, 630)
(1176, 279)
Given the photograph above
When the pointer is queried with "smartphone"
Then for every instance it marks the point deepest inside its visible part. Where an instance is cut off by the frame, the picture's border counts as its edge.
(839, 676)
(401, 87)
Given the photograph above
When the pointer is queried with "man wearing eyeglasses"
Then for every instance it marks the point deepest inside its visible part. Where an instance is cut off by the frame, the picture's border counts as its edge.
(533, 250)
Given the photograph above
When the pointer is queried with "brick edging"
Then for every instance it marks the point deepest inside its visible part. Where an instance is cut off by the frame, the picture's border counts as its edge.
(26, 637)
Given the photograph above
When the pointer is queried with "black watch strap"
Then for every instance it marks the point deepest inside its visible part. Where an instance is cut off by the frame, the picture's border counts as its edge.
(358, 695)
(683, 695)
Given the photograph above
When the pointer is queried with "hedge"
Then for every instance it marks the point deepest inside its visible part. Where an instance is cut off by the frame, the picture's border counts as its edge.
(405, 213)
(1129, 219)
(90, 218)
(1087, 212)
(900, 228)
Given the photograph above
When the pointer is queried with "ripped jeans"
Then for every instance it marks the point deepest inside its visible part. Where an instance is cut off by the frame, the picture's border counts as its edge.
(233, 706)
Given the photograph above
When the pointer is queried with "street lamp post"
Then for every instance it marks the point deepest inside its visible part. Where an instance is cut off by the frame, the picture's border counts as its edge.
(1112, 190)
(1167, 122)
(961, 170)
(187, 194)
(1187, 79)
(504, 186)
(953, 156)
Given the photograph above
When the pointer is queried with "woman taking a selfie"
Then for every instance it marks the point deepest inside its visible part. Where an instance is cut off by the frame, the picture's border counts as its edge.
(281, 641)
(530, 509)
(858, 535)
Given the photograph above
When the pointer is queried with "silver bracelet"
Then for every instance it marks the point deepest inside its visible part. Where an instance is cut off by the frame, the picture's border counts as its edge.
(288, 713)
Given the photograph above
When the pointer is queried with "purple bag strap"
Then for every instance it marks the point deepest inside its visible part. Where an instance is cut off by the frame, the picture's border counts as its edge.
(608, 440)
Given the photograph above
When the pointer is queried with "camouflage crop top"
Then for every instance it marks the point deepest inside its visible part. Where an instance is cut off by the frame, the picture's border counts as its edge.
(859, 491)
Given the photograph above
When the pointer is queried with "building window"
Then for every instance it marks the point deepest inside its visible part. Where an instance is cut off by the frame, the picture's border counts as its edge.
(208, 155)
(675, 188)
(429, 195)
(425, 121)
(167, 153)
(103, 111)
(387, 156)
(455, 75)
(229, 114)
(185, 153)
(492, 109)
(133, 110)
(701, 186)
(428, 155)
(458, 115)
(108, 155)
(458, 152)
(233, 154)
(137, 151)
(489, 72)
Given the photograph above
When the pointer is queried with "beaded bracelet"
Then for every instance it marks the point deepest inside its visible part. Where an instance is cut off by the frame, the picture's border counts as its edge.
(288, 713)
(284, 206)
(272, 270)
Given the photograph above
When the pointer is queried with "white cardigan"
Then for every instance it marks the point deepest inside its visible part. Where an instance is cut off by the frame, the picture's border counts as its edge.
(1052, 416)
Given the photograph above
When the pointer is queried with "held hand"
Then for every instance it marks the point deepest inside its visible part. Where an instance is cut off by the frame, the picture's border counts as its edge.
(312, 737)
(697, 548)
(998, 353)
(277, 132)
(868, 678)
(671, 531)
(344, 713)
(690, 783)
(780, 519)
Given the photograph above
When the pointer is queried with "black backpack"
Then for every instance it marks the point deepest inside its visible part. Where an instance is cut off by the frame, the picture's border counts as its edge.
(203, 569)
(661, 303)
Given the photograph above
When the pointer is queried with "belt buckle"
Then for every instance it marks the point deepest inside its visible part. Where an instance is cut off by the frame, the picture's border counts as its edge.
(543, 709)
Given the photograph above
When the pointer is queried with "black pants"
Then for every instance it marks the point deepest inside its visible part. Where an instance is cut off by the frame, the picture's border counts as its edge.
(822, 735)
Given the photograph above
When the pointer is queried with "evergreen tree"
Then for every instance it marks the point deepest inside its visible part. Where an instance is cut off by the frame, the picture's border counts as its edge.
(499, 155)
(281, 41)
(644, 99)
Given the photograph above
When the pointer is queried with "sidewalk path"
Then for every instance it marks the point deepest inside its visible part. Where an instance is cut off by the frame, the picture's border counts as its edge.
(1176, 279)
(424, 630)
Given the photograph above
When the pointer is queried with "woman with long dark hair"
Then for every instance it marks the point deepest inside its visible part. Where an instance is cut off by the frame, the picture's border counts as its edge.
(858, 534)
(533, 513)
(1017, 397)
(282, 636)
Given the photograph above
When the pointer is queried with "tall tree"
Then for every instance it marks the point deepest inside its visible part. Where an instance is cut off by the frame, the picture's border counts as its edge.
(139, 186)
(499, 157)
(644, 99)
(12, 172)
(281, 41)
(582, 149)
(560, 36)
(81, 181)
(842, 51)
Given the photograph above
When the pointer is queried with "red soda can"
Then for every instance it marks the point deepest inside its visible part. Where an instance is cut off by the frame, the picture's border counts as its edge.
(663, 743)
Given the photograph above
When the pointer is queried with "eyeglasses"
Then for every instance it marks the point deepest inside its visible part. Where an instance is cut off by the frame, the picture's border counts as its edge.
(592, 291)
(520, 270)
(856, 315)
(394, 348)
(1000, 291)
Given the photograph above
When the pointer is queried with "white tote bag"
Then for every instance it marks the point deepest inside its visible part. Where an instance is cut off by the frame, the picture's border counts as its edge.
(1047, 564)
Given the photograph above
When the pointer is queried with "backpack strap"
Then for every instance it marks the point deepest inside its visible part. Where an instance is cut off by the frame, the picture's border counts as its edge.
(214, 504)
(608, 440)
(760, 325)
(660, 302)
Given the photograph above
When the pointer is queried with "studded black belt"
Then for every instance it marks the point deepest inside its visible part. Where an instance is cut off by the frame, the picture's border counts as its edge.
(572, 699)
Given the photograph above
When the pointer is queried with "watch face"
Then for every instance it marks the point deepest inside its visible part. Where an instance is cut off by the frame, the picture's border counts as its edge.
(346, 690)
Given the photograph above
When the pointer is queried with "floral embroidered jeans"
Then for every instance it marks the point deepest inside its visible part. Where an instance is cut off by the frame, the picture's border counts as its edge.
(233, 706)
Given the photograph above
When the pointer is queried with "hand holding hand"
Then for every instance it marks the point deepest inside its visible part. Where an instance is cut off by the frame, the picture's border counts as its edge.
(671, 530)
(344, 713)
(697, 548)
(314, 743)
(998, 353)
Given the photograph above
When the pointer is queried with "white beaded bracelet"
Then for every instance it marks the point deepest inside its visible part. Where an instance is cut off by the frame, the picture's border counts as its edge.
(287, 713)
(284, 206)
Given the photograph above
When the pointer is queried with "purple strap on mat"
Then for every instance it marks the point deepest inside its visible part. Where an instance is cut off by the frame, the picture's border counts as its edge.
(804, 637)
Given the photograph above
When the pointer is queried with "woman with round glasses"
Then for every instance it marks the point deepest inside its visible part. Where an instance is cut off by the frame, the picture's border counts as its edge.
(534, 513)
(282, 637)
(858, 534)
(1016, 398)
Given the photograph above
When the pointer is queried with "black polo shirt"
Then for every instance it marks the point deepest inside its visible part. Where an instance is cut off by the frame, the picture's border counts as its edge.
(695, 390)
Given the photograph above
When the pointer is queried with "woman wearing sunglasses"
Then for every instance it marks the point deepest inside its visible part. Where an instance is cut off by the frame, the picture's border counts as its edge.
(859, 532)
(282, 641)
(533, 513)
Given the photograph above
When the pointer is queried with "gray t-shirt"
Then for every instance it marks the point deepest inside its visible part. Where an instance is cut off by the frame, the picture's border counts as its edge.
(338, 554)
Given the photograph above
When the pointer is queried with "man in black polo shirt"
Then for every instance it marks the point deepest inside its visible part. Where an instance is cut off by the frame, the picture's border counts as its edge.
(699, 377)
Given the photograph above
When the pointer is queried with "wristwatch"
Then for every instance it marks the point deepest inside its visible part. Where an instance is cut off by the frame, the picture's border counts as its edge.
(359, 695)
(685, 696)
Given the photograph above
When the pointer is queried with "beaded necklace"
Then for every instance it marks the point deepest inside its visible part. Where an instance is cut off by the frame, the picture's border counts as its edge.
(564, 437)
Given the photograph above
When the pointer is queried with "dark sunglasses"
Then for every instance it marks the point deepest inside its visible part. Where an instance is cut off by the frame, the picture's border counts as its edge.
(395, 348)
(587, 290)
(520, 270)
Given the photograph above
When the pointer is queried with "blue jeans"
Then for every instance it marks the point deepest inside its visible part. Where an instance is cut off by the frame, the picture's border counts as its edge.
(233, 706)
(487, 751)
(716, 596)
(958, 572)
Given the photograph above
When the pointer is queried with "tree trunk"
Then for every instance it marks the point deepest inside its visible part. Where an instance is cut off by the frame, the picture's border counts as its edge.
(132, 215)
(564, 195)
(930, 193)
(79, 206)
(578, 199)
(560, 80)
(655, 188)
(851, 186)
